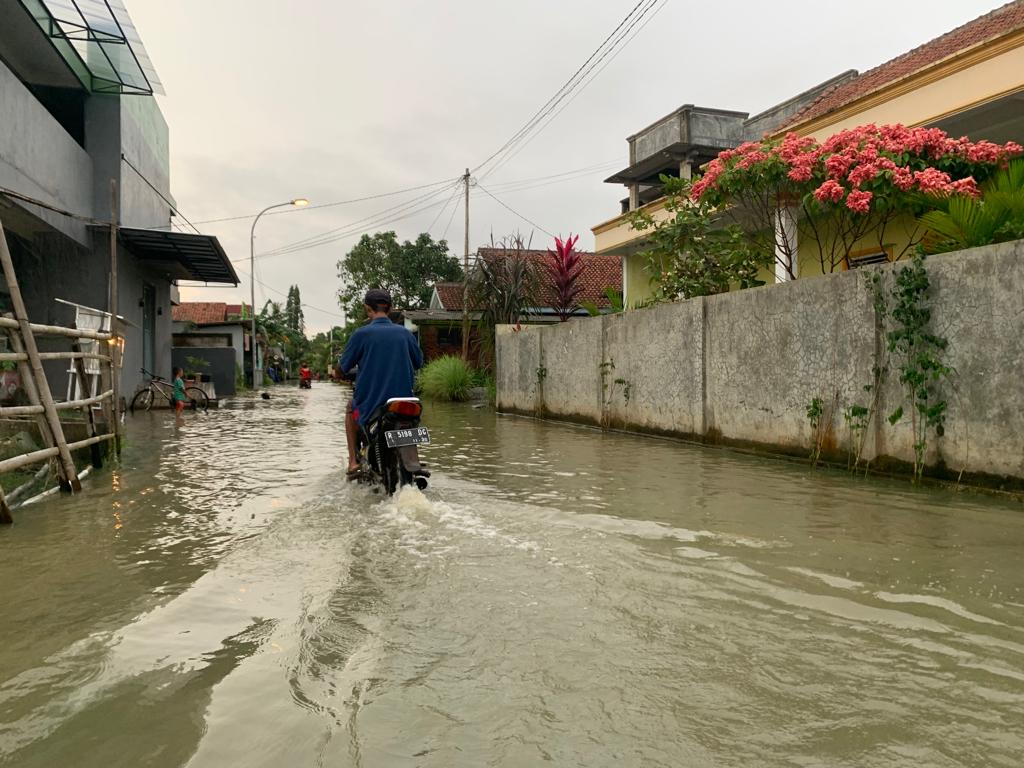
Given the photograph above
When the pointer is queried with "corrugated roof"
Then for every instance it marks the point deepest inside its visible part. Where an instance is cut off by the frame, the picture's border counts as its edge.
(200, 312)
(599, 273)
(1003, 20)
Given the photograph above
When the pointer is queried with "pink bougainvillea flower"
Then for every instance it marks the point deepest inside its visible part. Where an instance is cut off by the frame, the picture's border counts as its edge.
(933, 181)
(859, 201)
(903, 178)
(968, 187)
(830, 192)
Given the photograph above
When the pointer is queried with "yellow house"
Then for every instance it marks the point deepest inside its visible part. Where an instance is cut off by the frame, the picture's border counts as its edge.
(968, 82)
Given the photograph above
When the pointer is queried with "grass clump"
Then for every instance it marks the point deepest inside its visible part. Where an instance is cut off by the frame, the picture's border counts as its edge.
(446, 378)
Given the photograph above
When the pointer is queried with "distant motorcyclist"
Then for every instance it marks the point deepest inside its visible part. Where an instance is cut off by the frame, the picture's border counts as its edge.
(305, 377)
(387, 357)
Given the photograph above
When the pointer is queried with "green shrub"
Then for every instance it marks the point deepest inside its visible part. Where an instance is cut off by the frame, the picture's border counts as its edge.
(446, 378)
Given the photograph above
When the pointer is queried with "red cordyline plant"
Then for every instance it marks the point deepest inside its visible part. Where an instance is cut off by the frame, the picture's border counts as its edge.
(860, 182)
(564, 267)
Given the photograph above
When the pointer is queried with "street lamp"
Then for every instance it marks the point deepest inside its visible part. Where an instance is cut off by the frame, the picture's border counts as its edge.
(298, 202)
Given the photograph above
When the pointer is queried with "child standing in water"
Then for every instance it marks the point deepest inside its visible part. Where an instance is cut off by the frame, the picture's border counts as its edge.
(179, 390)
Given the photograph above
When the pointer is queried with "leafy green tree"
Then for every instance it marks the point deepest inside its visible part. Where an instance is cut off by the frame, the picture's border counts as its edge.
(695, 253)
(408, 270)
(293, 315)
(324, 349)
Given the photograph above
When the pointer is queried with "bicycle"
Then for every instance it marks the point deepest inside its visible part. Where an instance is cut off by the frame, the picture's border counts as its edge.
(143, 400)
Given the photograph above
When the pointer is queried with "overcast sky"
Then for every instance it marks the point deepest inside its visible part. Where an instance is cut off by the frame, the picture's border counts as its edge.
(333, 100)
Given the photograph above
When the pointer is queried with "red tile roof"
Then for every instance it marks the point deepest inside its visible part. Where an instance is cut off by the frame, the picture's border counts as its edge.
(200, 312)
(599, 273)
(450, 295)
(232, 309)
(1001, 21)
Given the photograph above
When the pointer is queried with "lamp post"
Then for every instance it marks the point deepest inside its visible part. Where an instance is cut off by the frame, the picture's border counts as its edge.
(297, 202)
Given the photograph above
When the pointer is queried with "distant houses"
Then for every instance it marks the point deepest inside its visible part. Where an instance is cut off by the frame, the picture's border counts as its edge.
(439, 327)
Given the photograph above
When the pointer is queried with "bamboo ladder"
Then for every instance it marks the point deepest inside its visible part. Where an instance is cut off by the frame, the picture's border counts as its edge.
(42, 408)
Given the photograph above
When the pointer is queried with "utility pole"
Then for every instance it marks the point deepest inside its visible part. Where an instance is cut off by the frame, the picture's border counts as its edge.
(465, 278)
(115, 332)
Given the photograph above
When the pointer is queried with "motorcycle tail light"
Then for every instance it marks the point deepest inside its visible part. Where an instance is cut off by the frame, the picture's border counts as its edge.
(406, 408)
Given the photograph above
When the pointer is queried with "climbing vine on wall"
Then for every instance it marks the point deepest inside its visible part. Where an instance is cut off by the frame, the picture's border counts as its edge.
(919, 355)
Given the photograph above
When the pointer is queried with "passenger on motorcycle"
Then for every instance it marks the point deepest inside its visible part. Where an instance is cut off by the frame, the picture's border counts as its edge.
(387, 357)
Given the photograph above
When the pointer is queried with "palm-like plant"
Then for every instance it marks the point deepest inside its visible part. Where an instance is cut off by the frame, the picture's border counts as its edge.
(564, 268)
(504, 285)
(996, 216)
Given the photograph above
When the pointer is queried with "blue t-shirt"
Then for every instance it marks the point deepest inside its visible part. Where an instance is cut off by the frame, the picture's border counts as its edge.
(388, 358)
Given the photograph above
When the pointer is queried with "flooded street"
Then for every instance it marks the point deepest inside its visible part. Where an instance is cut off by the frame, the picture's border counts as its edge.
(559, 595)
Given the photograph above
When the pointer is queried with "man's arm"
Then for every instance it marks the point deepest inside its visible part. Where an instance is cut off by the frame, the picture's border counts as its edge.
(415, 353)
(353, 353)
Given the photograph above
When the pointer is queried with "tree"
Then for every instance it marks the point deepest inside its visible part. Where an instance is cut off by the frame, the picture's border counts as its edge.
(857, 183)
(408, 270)
(503, 286)
(293, 315)
(693, 253)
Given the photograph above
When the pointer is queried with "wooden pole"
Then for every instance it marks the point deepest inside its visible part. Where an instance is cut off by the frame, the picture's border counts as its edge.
(29, 385)
(29, 341)
(55, 330)
(465, 277)
(115, 347)
(6, 518)
(16, 462)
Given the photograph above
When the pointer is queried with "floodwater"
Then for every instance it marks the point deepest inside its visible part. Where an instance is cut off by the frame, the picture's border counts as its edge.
(558, 596)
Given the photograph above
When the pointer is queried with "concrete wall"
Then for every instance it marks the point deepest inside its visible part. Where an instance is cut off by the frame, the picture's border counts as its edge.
(742, 368)
(39, 159)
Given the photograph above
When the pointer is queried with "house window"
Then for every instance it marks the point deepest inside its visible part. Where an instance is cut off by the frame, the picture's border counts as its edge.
(868, 257)
(449, 337)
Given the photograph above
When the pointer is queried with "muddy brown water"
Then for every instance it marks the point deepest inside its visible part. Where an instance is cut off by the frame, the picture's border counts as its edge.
(559, 596)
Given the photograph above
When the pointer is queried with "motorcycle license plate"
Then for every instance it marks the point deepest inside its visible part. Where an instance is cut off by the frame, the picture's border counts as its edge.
(396, 438)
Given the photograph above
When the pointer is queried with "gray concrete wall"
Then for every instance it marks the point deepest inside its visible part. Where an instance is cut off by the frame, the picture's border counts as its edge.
(145, 143)
(742, 368)
(39, 159)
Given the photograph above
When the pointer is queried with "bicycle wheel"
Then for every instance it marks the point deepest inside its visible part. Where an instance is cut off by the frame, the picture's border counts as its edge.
(142, 401)
(198, 400)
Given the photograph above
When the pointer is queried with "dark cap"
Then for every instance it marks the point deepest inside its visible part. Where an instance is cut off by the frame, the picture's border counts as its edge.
(375, 297)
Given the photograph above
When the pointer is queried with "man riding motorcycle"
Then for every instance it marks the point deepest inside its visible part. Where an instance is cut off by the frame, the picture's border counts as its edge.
(305, 377)
(387, 357)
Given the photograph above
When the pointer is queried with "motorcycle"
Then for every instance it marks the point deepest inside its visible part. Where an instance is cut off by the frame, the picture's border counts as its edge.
(389, 443)
(305, 383)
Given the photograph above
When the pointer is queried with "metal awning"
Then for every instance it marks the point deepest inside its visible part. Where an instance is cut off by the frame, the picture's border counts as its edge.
(185, 256)
(99, 42)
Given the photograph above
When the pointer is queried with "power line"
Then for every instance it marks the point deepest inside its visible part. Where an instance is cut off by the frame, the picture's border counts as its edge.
(331, 205)
(586, 171)
(450, 218)
(282, 293)
(448, 202)
(387, 216)
(568, 84)
(591, 77)
(505, 205)
(142, 176)
(599, 54)
(613, 50)
(54, 209)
